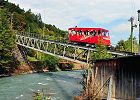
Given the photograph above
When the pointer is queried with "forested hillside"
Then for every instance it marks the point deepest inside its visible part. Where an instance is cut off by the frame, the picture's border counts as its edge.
(28, 21)
(13, 19)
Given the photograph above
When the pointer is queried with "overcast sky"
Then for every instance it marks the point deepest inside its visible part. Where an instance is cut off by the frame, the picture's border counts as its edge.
(110, 14)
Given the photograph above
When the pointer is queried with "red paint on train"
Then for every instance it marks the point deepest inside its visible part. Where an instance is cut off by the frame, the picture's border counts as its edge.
(89, 35)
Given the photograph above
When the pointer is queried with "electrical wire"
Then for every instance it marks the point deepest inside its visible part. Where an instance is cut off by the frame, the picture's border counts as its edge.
(133, 9)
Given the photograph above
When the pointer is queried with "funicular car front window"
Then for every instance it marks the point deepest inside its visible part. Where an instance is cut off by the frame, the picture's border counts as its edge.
(107, 33)
(103, 33)
(73, 32)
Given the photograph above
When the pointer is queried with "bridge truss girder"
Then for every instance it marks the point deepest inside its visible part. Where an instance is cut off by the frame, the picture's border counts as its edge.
(70, 52)
(64, 51)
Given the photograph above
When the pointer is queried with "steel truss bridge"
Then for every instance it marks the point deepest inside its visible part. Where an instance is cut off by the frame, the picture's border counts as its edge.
(69, 52)
(65, 51)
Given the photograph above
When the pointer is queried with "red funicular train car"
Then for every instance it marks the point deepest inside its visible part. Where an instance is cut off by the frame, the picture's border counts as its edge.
(89, 36)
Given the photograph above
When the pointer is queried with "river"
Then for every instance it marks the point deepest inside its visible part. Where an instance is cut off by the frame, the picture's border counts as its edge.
(63, 85)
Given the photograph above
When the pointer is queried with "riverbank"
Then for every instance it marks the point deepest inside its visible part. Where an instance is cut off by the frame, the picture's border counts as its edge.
(34, 67)
(21, 69)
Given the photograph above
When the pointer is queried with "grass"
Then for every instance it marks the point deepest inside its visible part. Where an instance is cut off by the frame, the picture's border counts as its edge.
(40, 95)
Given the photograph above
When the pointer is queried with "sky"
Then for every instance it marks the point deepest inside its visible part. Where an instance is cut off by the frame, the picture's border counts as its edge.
(109, 14)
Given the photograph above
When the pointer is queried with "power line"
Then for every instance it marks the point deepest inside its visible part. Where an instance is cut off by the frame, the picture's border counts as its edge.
(133, 8)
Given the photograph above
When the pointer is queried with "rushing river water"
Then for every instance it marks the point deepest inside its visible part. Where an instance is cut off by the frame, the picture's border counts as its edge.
(63, 85)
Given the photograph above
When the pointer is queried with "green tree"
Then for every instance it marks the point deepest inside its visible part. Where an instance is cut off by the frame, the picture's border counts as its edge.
(101, 52)
(7, 42)
(19, 22)
(7, 45)
(121, 45)
(4, 20)
(125, 45)
(51, 62)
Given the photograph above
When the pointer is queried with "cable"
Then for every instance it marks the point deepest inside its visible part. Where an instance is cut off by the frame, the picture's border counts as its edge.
(133, 8)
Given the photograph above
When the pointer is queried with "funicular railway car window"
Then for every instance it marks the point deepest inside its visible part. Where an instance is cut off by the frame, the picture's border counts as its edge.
(86, 33)
(93, 33)
(80, 32)
(99, 33)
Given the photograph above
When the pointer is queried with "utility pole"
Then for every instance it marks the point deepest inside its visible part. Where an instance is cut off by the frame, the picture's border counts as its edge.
(132, 28)
(139, 30)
